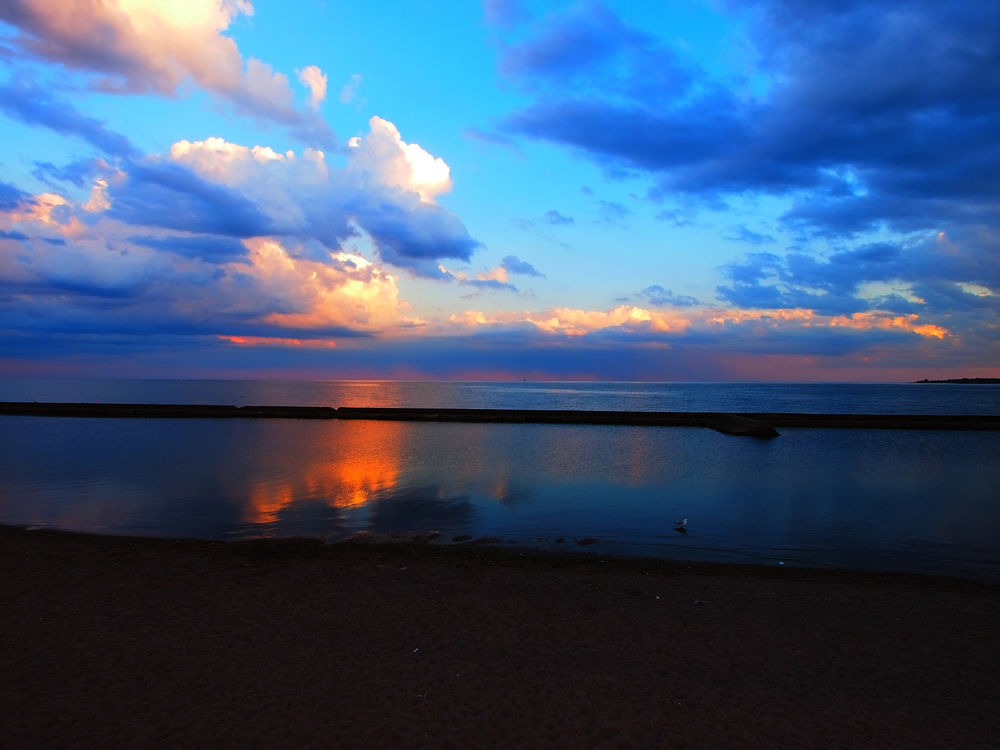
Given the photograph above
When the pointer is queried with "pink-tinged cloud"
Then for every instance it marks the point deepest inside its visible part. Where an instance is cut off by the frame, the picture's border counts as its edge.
(314, 79)
(142, 46)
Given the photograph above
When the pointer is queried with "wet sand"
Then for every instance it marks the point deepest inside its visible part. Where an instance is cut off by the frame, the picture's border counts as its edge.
(121, 642)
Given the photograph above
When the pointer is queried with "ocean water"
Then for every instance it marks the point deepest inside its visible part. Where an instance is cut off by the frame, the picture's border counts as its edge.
(920, 501)
(823, 398)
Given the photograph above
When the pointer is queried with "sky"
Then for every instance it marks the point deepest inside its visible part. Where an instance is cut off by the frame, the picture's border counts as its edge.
(692, 190)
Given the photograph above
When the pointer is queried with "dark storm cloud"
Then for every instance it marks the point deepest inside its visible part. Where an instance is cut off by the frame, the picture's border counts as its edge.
(876, 113)
(34, 105)
(173, 197)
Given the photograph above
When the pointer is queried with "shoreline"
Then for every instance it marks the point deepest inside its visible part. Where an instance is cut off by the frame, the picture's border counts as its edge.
(125, 641)
(496, 550)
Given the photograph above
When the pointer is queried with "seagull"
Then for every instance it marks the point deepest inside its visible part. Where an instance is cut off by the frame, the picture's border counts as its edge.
(682, 523)
(681, 526)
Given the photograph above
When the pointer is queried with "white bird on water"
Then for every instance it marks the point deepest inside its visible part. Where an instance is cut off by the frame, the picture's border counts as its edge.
(682, 523)
(681, 526)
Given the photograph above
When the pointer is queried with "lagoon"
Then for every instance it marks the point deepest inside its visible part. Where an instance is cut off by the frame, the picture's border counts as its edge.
(919, 501)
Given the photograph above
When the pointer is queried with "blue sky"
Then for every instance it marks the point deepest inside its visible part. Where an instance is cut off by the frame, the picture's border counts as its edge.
(612, 190)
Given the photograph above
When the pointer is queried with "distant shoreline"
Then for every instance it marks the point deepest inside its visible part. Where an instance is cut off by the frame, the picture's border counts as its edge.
(964, 381)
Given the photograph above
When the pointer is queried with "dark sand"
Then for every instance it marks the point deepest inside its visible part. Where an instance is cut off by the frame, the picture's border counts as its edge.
(116, 642)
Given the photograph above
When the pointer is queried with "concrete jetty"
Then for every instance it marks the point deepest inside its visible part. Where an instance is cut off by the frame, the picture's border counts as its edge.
(754, 424)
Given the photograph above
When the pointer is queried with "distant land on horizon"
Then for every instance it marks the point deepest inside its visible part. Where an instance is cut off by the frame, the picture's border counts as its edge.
(977, 381)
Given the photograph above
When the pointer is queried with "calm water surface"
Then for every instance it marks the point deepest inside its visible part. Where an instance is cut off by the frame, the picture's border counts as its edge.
(878, 499)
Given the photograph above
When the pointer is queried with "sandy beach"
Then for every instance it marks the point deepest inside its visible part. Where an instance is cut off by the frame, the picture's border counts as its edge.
(124, 642)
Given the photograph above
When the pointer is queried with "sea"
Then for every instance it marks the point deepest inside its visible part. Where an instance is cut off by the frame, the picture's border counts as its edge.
(916, 501)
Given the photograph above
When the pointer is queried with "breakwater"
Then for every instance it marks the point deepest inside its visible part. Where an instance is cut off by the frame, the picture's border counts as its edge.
(756, 424)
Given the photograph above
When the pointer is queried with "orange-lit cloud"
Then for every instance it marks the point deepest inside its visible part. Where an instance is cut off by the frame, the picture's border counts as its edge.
(860, 321)
(864, 321)
(577, 322)
(275, 341)
(723, 317)
(349, 291)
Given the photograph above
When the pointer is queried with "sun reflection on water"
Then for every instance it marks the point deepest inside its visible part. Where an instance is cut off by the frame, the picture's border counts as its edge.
(346, 474)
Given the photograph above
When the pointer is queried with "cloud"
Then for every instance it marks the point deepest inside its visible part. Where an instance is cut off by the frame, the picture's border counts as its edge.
(492, 138)
(495, 279)
(220, 239)
(351, 90)
(145, 46)
(856, 138)
(315, 80)
(574, 322)
(588, 50)
(384, 156)
(504, 13)
(555, 218)
(386, 191)
(206, 247)
(660, 297)
(11, 196)
(743, 234)
(701, 337)
(513, 264)
(613, 212)
(895, 167)
(106, 280)
(172, 197)
(935, 276)
(35, 105)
